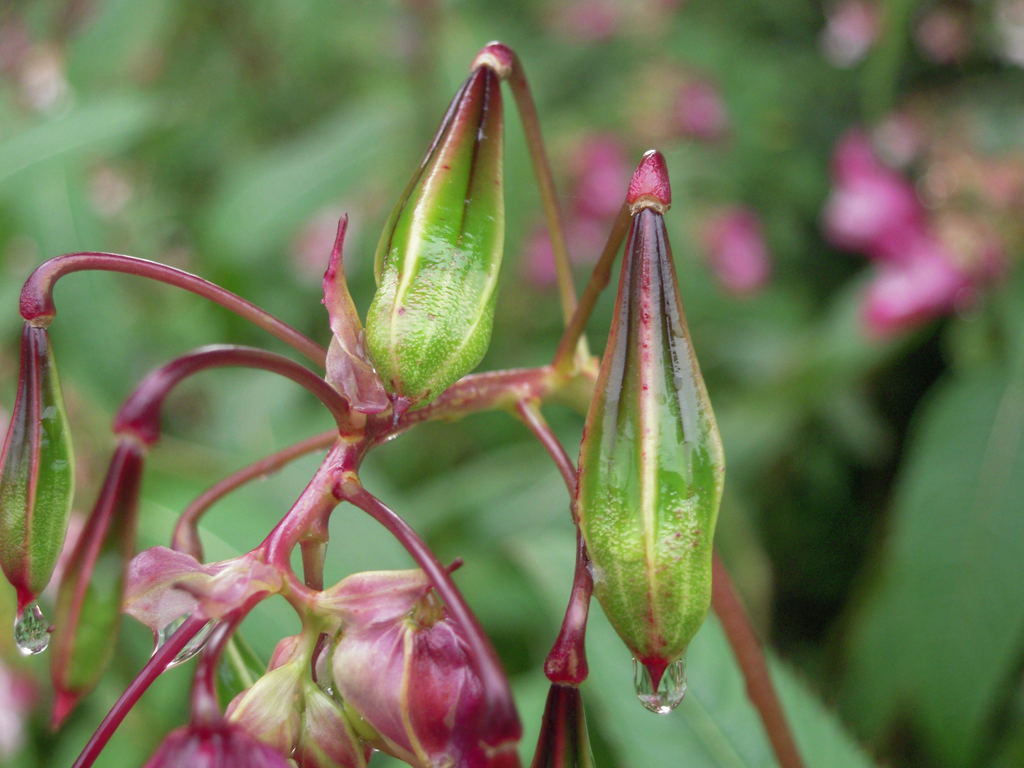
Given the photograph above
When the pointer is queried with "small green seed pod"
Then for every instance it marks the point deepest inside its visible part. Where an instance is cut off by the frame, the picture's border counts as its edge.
(438, 260)
(37, 480)
(651, 466)
(91, 592)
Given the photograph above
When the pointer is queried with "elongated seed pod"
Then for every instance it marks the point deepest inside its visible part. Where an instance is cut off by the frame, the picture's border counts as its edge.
(91, 592)
(651, 467)
(37, 480)
(438, 260)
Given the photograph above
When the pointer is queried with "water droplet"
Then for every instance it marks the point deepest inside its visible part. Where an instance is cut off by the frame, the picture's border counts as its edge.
(670, 692)
(31, 631)
(192, 647)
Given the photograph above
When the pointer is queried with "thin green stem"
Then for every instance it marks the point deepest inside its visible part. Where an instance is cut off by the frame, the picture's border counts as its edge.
(599, 279)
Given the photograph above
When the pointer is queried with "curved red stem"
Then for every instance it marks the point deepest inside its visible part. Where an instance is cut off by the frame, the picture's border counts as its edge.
(140, 414)
(154, 668)
(37, 294)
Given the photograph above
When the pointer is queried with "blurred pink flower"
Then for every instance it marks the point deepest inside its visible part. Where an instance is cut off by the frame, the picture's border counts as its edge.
(736, 250)
(944, 34)
(850, 30)
(700, 112)
(872, 208)
(924, 286)
(927, 264)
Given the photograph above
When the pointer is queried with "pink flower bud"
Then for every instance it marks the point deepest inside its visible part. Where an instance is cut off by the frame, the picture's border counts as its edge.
(736, 250)
(327, 739)
(216, 745)
(269, 709)
(402, 664)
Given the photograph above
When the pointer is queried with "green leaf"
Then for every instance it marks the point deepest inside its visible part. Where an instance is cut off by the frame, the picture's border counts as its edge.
(261, 203)
(938, 640)
(715, 726)
(105, 122)
(239, 669)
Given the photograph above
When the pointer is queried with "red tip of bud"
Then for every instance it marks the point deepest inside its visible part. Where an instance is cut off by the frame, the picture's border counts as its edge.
(335, 261)
(649, 187)
(63, 703)
(496, 56)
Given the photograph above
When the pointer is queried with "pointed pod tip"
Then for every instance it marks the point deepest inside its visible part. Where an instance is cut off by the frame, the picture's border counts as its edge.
(335, 260)
(497, 57)
(649, 187)
(63, 704)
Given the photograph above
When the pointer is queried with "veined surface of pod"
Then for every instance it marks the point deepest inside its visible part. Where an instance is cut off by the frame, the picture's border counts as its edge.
(38, 474)
(438, 260)
(651, 466)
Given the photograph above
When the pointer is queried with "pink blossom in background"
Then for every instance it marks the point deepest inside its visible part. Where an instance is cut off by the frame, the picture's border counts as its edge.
(926, 265)
(736, 250)
(944, 35)
(872, 208)
(850, 30)
(700, 112)
(904, 295)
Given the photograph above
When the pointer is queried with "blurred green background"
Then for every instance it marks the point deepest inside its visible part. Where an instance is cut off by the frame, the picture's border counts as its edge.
(874, 507)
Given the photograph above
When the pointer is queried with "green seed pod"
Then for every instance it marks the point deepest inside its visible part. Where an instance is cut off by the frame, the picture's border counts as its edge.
(92, 589)
(651, 466)
(438, 259)
(38, 473)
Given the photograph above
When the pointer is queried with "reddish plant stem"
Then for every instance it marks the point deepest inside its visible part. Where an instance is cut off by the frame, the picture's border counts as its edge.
(140, 414)
(312, 509)
(598, 282)
(154, 668)
(480, 392)
(205, 707)
(529, 412)
(748, 653)
(37, 295)
(566, 663)
(501, 722)
(545, 182)
(186, 533)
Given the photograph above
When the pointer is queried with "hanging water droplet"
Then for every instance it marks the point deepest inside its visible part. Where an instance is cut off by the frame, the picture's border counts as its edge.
(670, 691)
(31, 631)
(192, 647)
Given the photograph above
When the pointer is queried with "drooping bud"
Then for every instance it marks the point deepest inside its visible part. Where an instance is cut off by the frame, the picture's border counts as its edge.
(269, 710)
(37, 473)
(402, 664)
(651, 467)
(348, 369)
(326, 739)
(92, 589)
(215, 745)
(563, 742)
(438, 260)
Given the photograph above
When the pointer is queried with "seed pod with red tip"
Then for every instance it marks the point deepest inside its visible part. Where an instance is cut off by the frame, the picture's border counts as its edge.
(438, 260)
(92, 590)
(37, 473)
(651, 467)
